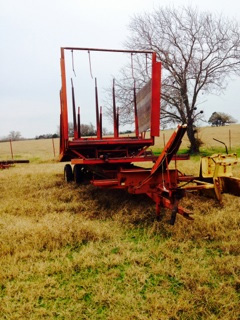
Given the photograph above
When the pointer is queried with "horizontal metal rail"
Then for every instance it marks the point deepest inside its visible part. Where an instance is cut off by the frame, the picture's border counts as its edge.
(96, 161)
(13, 161)
(108, 50)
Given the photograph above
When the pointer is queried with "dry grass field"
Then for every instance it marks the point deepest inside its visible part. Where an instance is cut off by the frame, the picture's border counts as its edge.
(77, 252)
(33, 150)
(206, 134)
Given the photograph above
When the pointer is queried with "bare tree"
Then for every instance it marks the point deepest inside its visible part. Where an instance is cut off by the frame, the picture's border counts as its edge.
(137, 73)
(14, 135)
(199, 52)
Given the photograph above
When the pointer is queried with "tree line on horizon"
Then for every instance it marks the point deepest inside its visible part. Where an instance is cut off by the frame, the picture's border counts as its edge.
(218, 119)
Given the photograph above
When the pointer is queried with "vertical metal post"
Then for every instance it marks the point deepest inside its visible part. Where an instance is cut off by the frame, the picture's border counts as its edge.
(75, 134)
(79, 124)
(100, 123)
(117, 121)
(11, 148)
(230, 140)
(53, 148)
(156, 91)
(115, 124)
(135, 110)
(64, 122)
(97, 111)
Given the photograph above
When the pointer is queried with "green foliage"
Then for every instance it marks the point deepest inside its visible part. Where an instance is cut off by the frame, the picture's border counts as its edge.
(203, 152)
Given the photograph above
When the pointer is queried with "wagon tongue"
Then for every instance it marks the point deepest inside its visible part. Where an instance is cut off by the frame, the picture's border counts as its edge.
(170, 149)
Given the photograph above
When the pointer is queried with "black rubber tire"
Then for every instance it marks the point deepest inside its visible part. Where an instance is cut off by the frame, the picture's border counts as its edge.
(68, 174)
(77, 173)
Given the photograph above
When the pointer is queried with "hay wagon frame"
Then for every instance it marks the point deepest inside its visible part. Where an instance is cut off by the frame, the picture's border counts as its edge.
(111, 161)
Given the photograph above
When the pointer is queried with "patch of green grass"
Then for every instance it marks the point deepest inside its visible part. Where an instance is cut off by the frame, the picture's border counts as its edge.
(175, 285)
(35, 160)
(203, 152)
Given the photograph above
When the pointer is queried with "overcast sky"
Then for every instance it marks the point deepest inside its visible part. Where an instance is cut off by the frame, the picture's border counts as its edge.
(31, 34)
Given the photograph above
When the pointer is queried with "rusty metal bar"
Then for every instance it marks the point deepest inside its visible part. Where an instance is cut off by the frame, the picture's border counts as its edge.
(226, 148)
(170, 149)
(108, 50)
(79, 154)
(13, 161)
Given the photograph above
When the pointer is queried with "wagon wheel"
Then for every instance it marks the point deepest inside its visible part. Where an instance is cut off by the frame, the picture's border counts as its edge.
(77, 173)
(68, 174)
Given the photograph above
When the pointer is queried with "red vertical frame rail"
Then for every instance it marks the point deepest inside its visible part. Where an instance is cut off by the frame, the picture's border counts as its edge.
(156, 91)
(64, 109)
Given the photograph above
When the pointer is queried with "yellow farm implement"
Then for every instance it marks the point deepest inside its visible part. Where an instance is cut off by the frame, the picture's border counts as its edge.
(216, 175)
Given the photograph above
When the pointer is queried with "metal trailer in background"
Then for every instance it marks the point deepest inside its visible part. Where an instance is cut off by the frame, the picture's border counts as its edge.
(5, 164)
(111, 161)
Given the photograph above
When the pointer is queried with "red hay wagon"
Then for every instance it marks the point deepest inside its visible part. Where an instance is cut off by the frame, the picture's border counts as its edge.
(111, 161)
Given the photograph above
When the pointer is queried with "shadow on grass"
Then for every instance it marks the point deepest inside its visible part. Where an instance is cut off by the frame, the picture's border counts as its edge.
(118, 205)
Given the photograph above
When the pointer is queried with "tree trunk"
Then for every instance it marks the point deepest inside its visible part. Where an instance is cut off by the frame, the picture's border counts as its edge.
(194, 144)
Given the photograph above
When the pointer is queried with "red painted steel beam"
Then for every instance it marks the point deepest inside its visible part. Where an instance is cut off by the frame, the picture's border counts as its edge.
(156, 91)
(97, 111)
(135, 110)
(111, 141)
(105, 183)
(75, 132)
(170, 149)
(64, 108)
(108, 50)
(115, 114)
(111, 160)
(166, 203)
